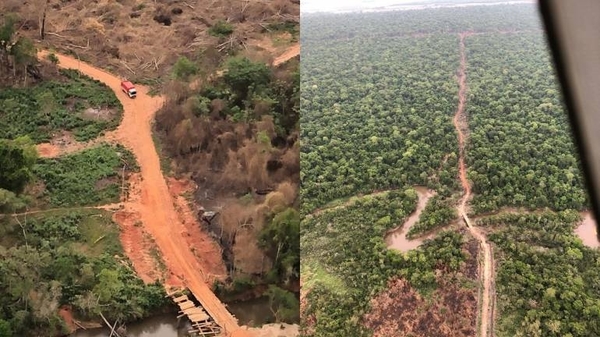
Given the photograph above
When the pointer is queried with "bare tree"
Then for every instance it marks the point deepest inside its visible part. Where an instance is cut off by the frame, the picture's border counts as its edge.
(43, 19)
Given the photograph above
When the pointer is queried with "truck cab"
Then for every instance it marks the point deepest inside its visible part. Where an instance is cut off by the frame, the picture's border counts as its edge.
(128, 88)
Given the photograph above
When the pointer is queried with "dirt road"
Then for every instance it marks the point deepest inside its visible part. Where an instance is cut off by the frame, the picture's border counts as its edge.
(462, 128)
(156, 205)
(290, 53)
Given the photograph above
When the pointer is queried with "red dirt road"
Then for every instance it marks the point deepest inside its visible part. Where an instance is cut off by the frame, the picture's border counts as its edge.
(462, 128)
(156, 205)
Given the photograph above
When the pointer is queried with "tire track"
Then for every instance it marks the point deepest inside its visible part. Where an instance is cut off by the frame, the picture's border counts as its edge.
(486, 316)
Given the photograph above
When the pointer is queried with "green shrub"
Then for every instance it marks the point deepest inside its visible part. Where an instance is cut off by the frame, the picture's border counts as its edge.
(90, 177)
(184, 68)
(221, 29)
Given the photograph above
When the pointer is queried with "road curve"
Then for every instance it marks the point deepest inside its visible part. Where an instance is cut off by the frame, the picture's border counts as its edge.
(157, 209)
(462, 128)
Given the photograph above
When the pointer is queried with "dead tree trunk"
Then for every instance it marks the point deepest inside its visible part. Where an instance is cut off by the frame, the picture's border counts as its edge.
(43, 23)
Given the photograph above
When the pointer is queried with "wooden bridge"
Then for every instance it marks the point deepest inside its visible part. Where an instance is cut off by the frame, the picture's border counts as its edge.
(202, 323)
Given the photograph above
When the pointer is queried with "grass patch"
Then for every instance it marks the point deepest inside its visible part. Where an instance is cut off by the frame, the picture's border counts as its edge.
(56, 105)
(316, 274)
(99, 233)
(165, 162)
(91, 231)
(155, 253)
(90, 177)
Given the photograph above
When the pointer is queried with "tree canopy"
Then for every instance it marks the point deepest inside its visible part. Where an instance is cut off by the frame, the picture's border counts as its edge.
(17, 158)
(378, 94)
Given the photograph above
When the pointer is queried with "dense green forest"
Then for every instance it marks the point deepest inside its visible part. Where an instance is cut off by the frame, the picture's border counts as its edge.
(344, 27)
(520, 151)
(437, 213)
(379, 91)
(363, 129)
(547, 283)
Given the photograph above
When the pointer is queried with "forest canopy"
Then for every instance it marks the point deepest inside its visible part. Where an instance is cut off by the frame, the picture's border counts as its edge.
(379, 92)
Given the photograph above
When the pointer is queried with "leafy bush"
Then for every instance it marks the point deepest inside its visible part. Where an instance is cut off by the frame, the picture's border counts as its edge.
(280, 238)
(17, 158)
(221, 29)
(184, 68)
(284, 26)
(244, 76)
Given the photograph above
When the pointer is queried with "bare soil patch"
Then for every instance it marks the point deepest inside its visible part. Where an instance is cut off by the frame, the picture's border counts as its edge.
(402, 311)
(99, 114)
(137, 246)
(67, 315)
(276, 330)
(205, 248)
(64, 143)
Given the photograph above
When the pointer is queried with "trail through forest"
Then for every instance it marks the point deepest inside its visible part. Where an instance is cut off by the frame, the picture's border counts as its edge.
(462, 128)
(154, 205)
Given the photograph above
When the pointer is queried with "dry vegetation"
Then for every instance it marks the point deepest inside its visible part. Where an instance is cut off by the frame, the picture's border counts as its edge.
(239, 176)
(451, 310)
(142, 39)
(401, 310)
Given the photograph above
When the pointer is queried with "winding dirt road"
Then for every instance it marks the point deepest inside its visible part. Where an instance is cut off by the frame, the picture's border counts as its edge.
(156, 205)
(486, 316)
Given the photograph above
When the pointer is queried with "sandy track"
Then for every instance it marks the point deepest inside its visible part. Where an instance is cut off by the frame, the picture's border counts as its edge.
(290, 53)
(462, 128)
(156, 206)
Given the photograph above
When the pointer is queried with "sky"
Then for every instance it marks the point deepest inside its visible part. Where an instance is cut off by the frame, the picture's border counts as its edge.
(310, 6)
(344, 5)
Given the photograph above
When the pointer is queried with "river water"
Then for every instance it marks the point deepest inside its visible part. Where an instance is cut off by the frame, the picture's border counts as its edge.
(587, 231)
(251, 313)
(396, 238)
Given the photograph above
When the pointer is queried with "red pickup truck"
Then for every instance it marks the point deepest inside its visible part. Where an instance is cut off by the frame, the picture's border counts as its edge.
(128, 88)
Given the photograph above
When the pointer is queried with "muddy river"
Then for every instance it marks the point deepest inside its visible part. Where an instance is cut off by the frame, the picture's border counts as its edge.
(587, 231)
(396, 238)
(251, 313)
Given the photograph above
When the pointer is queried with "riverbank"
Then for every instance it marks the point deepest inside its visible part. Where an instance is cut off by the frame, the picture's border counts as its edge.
(253, 314)
(396, 238)
(167, 325)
